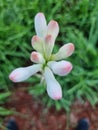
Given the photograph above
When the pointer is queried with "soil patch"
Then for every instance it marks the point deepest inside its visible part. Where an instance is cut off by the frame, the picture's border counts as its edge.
(33, 115)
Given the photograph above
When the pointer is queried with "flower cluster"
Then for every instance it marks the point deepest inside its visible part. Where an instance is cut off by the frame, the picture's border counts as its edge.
(46, 62)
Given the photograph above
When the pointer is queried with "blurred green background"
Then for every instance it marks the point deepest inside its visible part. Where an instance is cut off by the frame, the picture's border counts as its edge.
(78, 21)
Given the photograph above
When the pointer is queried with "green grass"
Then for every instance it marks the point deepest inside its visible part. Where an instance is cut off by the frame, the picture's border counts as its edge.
(78, 21)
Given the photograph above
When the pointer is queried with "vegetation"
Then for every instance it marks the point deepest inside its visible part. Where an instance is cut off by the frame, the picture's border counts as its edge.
(78, 21)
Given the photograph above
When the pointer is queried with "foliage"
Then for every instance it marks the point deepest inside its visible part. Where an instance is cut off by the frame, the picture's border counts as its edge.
(5, 112)
(3, 98)
(78, 22)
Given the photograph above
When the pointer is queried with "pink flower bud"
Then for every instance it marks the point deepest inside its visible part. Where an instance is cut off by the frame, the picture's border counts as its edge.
(37, 44)
(60, 68)
(53, 87)
(40, 25)
(49, 44)
(53, 29)
(65, 51)
(23, 73)
(37, 57)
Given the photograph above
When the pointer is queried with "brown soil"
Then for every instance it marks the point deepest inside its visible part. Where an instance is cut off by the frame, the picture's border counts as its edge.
(32, 115)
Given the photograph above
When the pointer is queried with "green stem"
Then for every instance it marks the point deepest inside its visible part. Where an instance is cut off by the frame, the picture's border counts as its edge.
(68, 120)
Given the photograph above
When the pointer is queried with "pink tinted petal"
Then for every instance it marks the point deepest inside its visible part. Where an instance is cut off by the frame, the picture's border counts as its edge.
(49, 44)
(65, 51)
(23, 73)
(37, 57)
(40, 25)
(37, 44)
(53, 87)
(60, 68)
(53, 29)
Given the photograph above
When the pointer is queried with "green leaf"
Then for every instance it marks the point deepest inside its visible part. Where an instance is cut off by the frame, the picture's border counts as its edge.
(4, 95)
(5, 112)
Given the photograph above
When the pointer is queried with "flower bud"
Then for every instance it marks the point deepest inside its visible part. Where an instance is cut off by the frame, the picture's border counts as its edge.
(65, 51)
(53, 29)
(60, 68)
(37, 57)
(40, 25)
(49, 44)
(37, 44)
(23, 73)
(53, 87)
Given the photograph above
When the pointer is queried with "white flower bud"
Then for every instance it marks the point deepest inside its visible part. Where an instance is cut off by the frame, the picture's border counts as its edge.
(40, 25)
(23, 73)
(53, 87)
(60, 68)
(65, 51)
(37, 57)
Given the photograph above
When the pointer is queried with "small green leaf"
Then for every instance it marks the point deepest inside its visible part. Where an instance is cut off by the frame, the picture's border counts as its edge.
(4, 95)
(5, 112)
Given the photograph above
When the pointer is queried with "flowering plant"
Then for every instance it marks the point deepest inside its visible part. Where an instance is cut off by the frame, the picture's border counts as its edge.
(46, 62)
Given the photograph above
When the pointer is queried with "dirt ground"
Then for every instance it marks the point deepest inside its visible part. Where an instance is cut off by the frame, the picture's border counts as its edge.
(32, 115)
